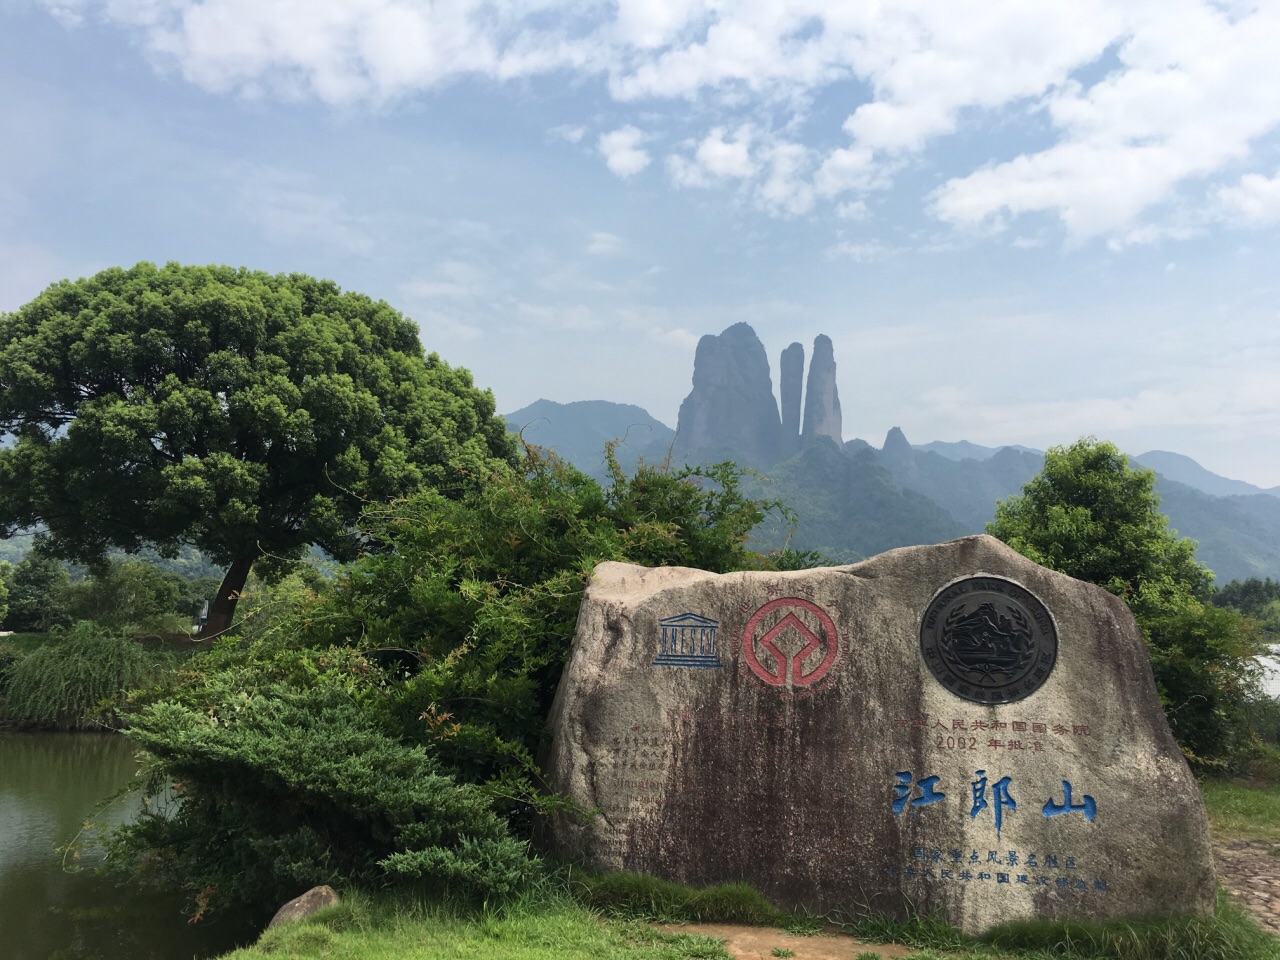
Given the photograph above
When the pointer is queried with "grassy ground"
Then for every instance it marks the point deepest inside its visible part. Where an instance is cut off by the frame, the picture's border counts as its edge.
(555, 929)
(605, 918)
(1240, 811)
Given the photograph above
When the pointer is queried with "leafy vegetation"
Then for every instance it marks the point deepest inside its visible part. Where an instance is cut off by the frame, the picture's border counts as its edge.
(634, 896)
(1244, 811)
(539, 929)
(284, 788)
(244, 413)
(1227, 935)
(79, 679)
(1092, 516)
(442, 644)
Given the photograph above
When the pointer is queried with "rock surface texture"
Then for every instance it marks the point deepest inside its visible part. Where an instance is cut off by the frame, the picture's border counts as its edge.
(301, 907)
(951, 727)
(821, 400)
(791, 390)
(731, 410)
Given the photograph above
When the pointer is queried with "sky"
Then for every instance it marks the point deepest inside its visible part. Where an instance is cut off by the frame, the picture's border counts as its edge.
(1019, 221)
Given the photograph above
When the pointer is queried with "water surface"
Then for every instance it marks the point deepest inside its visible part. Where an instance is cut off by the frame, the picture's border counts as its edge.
(50, 784)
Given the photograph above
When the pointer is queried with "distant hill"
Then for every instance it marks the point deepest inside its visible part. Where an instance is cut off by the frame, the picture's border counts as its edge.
(1184, 470)
(848, 505)
(964, 450)
(967, 488)
(1238, 537)
(853, 500)
(578, 431)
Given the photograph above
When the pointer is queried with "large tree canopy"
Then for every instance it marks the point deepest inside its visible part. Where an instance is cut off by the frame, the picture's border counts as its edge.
(245, 413)
(1089, 514)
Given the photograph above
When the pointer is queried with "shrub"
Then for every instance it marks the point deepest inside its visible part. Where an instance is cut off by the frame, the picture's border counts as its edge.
(635, 896)
(79, 679)
(35, 594)
(285, 788)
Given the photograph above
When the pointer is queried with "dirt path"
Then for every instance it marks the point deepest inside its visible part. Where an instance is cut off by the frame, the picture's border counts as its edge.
(1250, 869)
(759, 943)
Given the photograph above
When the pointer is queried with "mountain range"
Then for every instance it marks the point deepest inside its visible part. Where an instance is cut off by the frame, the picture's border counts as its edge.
(852, 499)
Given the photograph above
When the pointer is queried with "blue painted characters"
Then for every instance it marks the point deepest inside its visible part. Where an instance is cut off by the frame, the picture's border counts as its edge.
(902, 792)
(1087, 806)
(1000, 796)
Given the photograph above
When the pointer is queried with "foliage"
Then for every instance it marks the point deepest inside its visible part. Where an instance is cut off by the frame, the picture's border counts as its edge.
(1257, 599)
(543, 929)
(1227, 935)
(244, 413)
(36, 588)
(6, 574)
(119, 593)
(473, 602)
(1244, 811)
(79, 679)
(635, 896)
(1092, 516)
(285, 788)
(446, 640)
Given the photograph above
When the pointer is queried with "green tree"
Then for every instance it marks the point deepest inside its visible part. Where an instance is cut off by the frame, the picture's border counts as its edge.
(1090, 515)
(247, 414)
(443, 645)
(37, 586)
(6, 577)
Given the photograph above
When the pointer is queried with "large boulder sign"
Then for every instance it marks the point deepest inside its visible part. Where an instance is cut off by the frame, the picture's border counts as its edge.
(951, 729)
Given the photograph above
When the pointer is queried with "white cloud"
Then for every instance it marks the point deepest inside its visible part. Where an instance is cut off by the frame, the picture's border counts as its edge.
(1132, 105)
(716, 159)
(568, 133)
(289, 212)
(860, 252)
(602, 244)
(853, 210)
(622, 152)
(1255, 199)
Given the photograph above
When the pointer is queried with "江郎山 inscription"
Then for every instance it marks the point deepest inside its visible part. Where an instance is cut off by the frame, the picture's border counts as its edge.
(989, 640)
(948, 729)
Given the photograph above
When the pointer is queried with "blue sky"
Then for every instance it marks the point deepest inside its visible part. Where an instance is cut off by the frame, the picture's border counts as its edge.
(1018, 222)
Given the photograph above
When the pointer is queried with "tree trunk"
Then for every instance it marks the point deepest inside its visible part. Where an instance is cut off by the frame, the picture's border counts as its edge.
(223, 608)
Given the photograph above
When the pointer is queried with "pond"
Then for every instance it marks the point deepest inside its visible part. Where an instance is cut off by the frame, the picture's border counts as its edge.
(50, 784)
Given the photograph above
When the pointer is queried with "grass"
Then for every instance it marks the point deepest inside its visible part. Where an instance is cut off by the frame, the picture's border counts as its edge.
(1227, 935)
(588, 916)
(556, 929)
(634, 896)
(1241, 811)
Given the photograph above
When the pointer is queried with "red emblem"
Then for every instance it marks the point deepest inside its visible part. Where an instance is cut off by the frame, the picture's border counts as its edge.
(808, 623)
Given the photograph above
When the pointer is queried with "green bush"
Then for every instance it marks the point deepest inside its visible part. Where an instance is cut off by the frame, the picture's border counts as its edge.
(80, 678)
(443, 645)
(1090, 515)
(35, 594)
(285, 788)
(1229, 934)
(8, 660)
(635, 896)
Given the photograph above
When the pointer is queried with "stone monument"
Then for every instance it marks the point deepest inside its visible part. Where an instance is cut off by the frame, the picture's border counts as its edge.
(951, 728)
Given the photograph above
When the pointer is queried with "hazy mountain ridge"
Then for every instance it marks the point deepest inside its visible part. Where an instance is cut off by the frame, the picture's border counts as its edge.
(852, 500)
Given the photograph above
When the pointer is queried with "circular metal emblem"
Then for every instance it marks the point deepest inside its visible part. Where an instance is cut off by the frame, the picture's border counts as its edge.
(988, 640)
